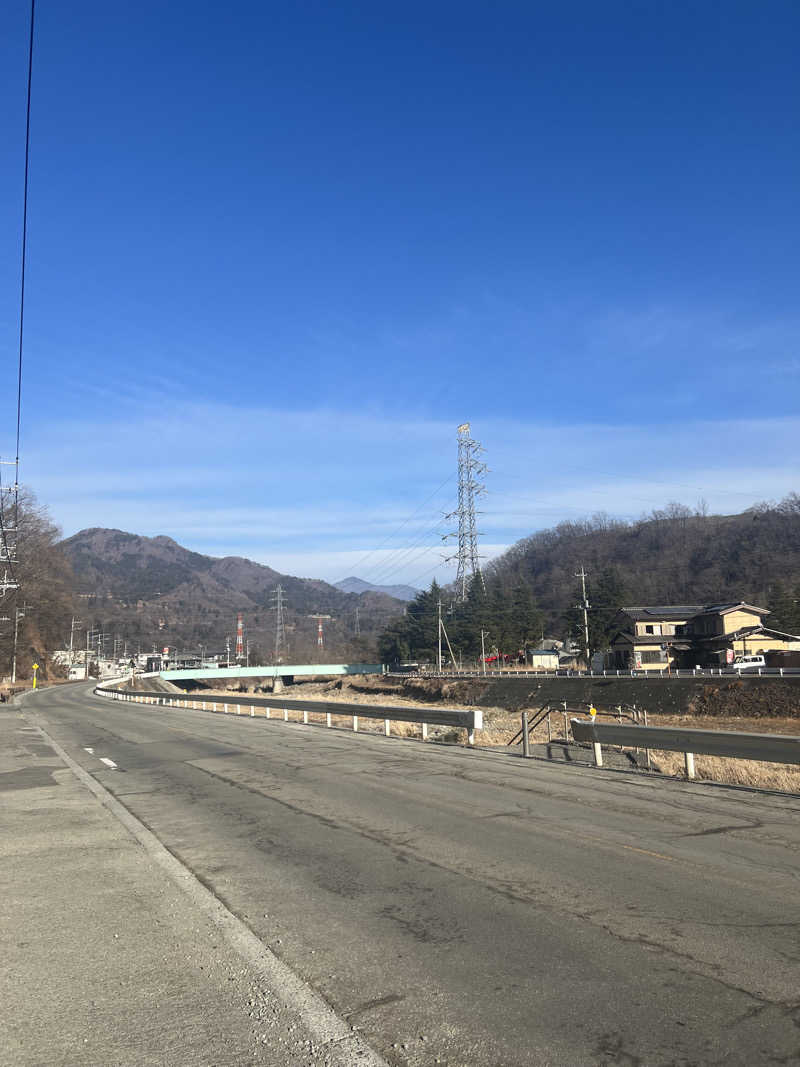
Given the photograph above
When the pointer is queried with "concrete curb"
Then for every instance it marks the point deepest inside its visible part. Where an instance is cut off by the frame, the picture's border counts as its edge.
(343, 1045)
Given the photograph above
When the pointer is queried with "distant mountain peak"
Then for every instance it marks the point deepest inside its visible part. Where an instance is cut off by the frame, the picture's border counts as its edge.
(359, 586)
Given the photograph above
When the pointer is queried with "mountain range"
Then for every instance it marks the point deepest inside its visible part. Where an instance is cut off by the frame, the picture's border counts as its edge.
(155, 592)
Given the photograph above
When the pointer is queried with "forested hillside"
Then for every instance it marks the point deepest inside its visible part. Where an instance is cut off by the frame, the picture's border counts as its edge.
(672, 556)
(152, 592)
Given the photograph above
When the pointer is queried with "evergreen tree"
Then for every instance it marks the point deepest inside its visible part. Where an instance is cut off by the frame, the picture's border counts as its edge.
(606, 596)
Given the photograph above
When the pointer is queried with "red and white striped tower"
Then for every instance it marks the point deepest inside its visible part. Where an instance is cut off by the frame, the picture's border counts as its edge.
(319, 633)
(239, 637)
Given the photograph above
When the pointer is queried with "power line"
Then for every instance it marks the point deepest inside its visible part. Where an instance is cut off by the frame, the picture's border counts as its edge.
(9, 535)
(24, 231)
(405, 521)
(393, 562)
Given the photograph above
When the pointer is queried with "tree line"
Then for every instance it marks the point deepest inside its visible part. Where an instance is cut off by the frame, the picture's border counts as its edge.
(674, 555)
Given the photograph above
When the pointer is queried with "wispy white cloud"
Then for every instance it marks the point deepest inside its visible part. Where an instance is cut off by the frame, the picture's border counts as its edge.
(315, 492)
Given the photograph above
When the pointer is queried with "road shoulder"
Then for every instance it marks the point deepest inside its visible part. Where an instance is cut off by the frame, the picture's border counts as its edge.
(107, 960)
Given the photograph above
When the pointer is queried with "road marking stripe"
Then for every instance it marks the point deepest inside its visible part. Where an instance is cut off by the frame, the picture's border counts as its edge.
(108, 762)
(89, 750)
(649, 852)
(344, 1045)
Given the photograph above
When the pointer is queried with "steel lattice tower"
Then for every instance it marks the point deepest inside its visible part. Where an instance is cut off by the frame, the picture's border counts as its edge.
(239, 638)
(9, 511)
(280, 632)
(470, 470)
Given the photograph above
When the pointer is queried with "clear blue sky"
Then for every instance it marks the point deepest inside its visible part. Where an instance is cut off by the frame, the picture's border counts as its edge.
(277, 252)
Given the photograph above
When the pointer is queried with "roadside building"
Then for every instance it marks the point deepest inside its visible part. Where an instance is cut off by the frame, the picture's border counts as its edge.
(543, 659)
(664, 637)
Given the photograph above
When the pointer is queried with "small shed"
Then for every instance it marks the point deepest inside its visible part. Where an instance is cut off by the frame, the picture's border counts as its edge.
(543, 659)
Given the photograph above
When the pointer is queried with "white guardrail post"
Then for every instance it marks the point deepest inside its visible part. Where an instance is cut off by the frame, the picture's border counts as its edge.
(470, 720)
(767, 748)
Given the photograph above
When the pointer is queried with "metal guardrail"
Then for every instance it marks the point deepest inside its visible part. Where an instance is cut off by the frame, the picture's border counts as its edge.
(770, 748)
(695, 672)
(470, 720)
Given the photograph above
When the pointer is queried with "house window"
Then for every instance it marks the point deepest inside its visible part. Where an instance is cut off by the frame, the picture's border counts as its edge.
(654, 629)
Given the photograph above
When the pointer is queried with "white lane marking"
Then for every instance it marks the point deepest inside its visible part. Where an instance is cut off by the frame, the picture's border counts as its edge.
(108, 762)
(344, 1046)
(89, 750)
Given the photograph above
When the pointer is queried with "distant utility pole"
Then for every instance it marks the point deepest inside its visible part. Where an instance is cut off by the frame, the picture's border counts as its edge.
(470, 469)
(443, 633)
(484, 634)
(90, 634)
(279, 603)
(228, 651)
(439, 633)
(585, 605)
(18, 614)
(358, 624)
(72, 639)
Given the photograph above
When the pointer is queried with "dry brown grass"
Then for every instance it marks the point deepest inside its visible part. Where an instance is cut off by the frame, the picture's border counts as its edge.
(780, 776)
(500, 726)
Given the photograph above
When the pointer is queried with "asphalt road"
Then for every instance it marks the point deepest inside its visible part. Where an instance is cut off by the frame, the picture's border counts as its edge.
(465, 907)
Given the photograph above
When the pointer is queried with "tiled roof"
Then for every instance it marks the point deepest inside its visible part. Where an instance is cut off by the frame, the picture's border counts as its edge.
(722, 609)
(666, 611)
(688, 611)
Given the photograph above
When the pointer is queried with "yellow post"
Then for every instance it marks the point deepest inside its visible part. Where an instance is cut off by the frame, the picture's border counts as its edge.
(35, 669)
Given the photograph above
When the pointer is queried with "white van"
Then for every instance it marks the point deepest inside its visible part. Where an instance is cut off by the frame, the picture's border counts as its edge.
(749, 663)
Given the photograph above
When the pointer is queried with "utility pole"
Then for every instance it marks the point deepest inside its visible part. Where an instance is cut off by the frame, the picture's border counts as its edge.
(358, 624)
(279, 603)
(72, 639)
(89, 635)
(470, 469)
(585, 605)
(228, 651)
(439, 633)
(18, 614)
(247, 652)
(484, 634)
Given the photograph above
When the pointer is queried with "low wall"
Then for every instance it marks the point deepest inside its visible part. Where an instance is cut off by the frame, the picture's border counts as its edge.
(750, 697)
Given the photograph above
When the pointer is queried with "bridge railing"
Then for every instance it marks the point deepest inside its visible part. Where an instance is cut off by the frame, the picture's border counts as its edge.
(470, 719)
(769, 748)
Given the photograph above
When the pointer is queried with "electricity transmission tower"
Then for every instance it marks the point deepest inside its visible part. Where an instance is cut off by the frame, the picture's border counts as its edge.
(278, 604)
(9, 509)
(470, 470)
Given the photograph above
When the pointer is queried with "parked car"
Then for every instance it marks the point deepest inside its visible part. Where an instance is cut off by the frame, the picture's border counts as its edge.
(749, 663)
